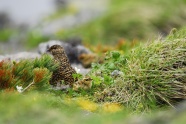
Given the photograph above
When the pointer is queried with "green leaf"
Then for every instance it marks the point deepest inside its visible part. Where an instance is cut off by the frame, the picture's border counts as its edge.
(108, 80)
(111, 66)
(96, 80)
(115, 54)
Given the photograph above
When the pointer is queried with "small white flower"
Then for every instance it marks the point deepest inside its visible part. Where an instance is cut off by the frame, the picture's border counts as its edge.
(19, 88)
(77, 69)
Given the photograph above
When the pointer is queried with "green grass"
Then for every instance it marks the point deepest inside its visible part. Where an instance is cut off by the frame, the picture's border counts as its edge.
(153, 74)
(40, 107)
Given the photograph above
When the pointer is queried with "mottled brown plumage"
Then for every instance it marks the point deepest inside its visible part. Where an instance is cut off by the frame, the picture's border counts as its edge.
(65, 71)
(85, 83)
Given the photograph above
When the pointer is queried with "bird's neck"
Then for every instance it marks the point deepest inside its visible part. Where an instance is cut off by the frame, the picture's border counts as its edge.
(60, 56)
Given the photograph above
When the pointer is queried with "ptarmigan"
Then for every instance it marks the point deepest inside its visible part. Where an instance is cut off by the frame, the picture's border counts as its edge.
(64, 71)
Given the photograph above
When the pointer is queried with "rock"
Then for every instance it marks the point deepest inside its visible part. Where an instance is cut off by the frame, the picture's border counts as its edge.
(72, 49)
(19, 56)
(82, 50)
(116, 73)
(42, 48)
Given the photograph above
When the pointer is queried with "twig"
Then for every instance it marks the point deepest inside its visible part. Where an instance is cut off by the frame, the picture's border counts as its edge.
(28, 86)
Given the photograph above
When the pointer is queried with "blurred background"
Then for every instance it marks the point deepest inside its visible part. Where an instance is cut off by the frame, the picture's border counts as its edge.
(26, 23)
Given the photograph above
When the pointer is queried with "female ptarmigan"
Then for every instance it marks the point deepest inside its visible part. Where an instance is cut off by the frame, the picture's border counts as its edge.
(64, 71)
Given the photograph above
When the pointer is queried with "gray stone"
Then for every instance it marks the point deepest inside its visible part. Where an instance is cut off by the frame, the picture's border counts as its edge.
(42, 48)
(19, 56)
(72, 51)
(116, 73)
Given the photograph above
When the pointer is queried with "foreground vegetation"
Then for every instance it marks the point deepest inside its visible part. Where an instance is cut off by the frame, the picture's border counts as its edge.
(150, 77)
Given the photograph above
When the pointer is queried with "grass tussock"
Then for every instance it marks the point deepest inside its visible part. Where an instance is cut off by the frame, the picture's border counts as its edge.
(153, 74)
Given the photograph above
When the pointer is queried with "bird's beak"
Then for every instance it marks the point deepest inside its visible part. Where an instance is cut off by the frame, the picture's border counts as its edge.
(48, 52)
(48, 49)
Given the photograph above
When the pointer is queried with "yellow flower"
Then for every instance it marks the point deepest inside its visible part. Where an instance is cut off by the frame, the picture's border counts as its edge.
(87, 105)
(111, 107)
(68, 101)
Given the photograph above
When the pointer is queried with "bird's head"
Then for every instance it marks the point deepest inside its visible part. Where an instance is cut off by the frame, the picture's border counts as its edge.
(87, 79)
(55, 49)
(85, 83)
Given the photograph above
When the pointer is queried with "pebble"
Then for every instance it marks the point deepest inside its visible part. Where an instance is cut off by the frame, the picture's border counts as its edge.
(116, 73)
(19, 56)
